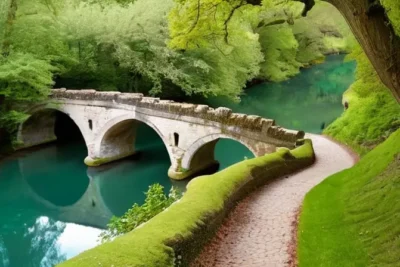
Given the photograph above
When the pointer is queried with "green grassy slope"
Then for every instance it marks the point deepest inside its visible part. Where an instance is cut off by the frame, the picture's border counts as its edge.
(373, 113)
(353, 217)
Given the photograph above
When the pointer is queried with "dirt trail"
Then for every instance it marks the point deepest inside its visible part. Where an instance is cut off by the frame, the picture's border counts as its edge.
(257, 232)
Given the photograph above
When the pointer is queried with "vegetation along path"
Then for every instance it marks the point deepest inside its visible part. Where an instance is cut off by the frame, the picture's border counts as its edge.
(258, 230)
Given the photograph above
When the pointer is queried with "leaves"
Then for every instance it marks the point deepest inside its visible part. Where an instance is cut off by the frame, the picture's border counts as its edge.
(23, 77)
(156, 201)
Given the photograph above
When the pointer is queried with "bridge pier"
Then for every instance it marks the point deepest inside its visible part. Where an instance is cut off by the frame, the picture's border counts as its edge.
(182, 173)
(202, 161)
(117, 143)
(37, 129)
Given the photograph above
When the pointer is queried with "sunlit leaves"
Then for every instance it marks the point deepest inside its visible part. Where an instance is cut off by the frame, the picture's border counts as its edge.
(392, 8)
(280, 48)
(24, 77)
(156, 201)
(4, 6)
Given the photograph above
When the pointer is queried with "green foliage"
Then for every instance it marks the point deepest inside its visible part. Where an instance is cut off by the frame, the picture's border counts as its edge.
(11, 119)
(165, 48)
(373, 113)
(136, 37)
(280, 48)
(290, 41)
(184, 223)
(156, 201)
(4, 5)
(392, 8)
(23, 77)
(319, 34)
(351, 219)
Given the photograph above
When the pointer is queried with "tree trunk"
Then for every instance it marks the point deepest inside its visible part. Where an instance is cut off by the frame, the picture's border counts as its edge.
(371, 27)
(12, 11)
(375, 34)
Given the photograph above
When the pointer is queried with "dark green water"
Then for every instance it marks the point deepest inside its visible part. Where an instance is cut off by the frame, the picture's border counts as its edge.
(52, 206)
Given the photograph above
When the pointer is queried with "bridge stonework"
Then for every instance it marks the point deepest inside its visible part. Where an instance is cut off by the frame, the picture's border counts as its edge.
(108, 122)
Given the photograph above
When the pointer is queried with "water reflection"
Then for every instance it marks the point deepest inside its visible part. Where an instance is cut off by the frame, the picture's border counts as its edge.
(50, 201)
(68, 239)
(52, 206)
(304, 102)
(65, 160)
(44, 243)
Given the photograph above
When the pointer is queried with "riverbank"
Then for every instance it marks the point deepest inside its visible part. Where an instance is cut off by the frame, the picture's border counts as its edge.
(351, 219)
(258, 230)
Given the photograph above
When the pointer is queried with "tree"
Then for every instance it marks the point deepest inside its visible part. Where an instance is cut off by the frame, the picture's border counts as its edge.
(374, 25)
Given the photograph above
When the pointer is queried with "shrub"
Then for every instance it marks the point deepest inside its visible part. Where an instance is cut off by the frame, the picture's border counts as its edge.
(156, 201)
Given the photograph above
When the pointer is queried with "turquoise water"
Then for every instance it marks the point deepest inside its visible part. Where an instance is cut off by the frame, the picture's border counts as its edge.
(306, 102)
(53, 207)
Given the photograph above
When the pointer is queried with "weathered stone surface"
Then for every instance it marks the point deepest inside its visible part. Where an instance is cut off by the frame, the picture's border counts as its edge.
(108, 121)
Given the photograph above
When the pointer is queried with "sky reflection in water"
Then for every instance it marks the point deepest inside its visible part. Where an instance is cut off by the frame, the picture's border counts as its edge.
(52, 206)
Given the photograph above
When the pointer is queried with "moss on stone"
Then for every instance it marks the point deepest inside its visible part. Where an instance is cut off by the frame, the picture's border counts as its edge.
(19, 144)
(100, 161)
(181, 230)
(182, 173)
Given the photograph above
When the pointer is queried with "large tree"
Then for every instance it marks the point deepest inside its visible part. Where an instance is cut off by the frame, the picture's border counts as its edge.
(373, 29)
(370, 24)
(368, 19)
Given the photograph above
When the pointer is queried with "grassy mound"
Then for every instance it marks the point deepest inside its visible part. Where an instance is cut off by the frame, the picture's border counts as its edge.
(174, 236)
(353, 217)
(373, 113)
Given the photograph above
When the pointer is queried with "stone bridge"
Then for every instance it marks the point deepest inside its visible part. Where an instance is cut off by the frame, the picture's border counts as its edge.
(108, 123)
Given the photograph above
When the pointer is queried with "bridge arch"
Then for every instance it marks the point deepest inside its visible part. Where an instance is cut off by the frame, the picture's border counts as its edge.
(116, 139)
(200, 154)
(39, 127)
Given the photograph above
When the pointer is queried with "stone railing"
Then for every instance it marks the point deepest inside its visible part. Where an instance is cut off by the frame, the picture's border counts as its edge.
(222, 115)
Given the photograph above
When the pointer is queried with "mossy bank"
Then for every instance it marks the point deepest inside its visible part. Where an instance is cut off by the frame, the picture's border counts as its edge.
(175, 236)
(352, 218)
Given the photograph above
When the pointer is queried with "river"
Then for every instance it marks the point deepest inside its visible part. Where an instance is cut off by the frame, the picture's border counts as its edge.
(53, 207)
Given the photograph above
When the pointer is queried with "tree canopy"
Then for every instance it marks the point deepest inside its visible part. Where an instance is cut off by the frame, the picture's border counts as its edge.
(169, 48)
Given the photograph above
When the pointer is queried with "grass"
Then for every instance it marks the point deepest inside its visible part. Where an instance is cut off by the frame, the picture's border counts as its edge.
(353, 217)
(373, 112)
(174, 236)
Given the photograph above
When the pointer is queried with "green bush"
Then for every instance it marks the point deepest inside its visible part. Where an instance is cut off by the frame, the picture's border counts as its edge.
(156, 201)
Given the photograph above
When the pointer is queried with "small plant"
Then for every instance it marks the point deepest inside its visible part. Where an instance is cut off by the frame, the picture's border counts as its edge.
(156, 201)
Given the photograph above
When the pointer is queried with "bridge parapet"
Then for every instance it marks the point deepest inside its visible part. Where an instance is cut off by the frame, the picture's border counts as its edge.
(108, 122)
(222, 115)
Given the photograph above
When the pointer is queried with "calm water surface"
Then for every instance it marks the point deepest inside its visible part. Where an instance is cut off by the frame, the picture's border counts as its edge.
(304, 102)
(53, 207)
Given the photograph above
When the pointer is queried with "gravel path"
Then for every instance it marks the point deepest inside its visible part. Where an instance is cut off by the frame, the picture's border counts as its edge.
(257, 232)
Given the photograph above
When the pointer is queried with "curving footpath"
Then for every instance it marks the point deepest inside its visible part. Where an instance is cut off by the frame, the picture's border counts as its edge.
(257, 233)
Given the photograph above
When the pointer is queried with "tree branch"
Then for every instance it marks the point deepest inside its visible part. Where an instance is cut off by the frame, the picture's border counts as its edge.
(242, 3)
